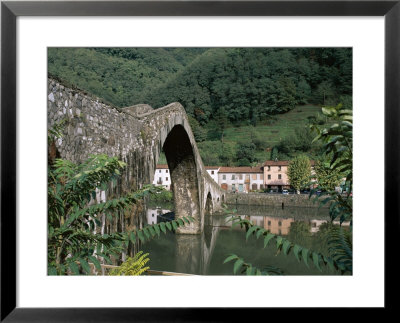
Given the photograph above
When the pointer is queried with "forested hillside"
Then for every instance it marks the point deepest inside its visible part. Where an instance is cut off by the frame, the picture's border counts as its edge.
(220, 88)
(118, 75)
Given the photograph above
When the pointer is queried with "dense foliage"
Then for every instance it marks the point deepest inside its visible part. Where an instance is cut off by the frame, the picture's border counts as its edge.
(220, 84)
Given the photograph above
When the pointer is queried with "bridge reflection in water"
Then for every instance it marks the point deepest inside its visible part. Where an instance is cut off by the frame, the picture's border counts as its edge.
(193, 253)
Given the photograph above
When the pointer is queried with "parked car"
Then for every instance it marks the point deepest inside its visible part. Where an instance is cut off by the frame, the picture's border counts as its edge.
(285, 192)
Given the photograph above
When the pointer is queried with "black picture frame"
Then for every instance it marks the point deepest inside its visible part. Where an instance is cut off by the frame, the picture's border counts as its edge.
(10, 10)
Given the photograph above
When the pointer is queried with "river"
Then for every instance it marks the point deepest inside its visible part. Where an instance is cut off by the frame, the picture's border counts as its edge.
(204, 254)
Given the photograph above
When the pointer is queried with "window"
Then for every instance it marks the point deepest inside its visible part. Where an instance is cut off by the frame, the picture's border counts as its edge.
(280, 168)
(224, 177)
(269, 176)
(279, 223)
(254, 176)
(269, 168)
(279, 176)
(233, 187)
(166, 178)
(241, 176)
(233, 176)
(212, 172)
(269, 222)
(253, 186)
(159, 171)
(166, 170)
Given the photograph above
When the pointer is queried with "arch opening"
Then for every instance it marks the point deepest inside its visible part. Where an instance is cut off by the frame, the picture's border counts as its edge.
(209, 205)
(184, 182)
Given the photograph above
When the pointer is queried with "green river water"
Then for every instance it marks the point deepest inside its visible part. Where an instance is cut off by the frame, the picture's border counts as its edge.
(204, 254)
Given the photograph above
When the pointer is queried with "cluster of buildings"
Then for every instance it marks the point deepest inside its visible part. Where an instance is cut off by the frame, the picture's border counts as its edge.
(272, 175)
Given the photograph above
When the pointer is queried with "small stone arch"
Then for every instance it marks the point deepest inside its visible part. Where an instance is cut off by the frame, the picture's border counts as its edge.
(209, 205)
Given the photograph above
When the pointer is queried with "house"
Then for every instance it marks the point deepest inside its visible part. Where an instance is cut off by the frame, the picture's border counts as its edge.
(275, 174)
(241, 179)
(162, 176)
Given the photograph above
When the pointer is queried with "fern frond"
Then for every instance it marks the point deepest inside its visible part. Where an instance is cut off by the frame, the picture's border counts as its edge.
(132, 266)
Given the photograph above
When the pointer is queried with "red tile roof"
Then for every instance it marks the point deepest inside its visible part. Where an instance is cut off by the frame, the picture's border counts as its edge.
(241, 170)
(162, 166)
(276, 163)
(282, 162)
(212, 167)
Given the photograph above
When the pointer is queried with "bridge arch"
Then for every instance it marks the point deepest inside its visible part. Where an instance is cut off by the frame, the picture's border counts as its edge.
(209, 204)
(184, 176)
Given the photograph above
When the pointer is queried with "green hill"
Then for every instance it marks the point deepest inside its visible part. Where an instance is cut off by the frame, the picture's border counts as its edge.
(241, 102)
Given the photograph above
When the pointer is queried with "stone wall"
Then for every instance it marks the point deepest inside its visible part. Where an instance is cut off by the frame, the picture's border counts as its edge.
(91, 127)
(275, 200)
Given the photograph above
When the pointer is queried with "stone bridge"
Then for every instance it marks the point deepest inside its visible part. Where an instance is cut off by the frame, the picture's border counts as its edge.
(136, 135)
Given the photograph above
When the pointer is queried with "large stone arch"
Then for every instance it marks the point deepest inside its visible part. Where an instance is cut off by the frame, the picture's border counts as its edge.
(137, 135)
(184, 177)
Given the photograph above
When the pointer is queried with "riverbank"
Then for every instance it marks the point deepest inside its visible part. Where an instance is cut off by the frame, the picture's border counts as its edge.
(275, 200)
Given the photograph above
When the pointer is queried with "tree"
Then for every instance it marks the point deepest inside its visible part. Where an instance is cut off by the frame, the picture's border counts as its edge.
(199, 132)
(299, 172)
(327, 178)
(245, 153)
(274, 153)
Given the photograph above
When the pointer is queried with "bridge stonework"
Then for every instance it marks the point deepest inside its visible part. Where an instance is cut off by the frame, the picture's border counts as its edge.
(136, 135)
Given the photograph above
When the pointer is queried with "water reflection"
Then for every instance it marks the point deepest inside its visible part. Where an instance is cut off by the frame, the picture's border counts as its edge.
(204, 254)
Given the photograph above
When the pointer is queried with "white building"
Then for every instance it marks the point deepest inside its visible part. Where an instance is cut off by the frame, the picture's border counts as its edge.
(162, 176)
(213, 171)
(241, 179)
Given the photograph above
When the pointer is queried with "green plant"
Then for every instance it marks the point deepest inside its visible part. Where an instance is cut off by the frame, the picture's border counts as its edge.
(132, 266)
(338, 150)
(75, 218)
(249, 269)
